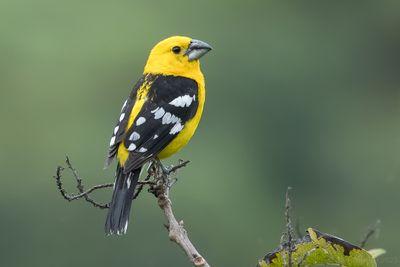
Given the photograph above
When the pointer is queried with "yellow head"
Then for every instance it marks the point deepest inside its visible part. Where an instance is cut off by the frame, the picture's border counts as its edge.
(177, 55)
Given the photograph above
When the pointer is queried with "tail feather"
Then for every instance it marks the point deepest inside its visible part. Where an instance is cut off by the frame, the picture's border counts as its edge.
(118, 213)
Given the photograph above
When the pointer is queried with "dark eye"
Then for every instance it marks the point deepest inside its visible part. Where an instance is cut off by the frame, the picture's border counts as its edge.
(176, 49)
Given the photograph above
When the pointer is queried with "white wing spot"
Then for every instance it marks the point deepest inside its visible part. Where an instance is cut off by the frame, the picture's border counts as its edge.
(159, 113)
(134, 136)
(116, 130)
(175, 119)
(140, 121)
(132, 147)
(176, 129)
(122, 117)
(155, 136)
(167, 118)
(112, 141)
(123, 106)
(155, 110)
(183, 101)
(142, 149)
(128, 182)
(126, 226)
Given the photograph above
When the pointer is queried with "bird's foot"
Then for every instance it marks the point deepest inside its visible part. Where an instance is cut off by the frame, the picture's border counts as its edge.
(165, 175)
(161, 173)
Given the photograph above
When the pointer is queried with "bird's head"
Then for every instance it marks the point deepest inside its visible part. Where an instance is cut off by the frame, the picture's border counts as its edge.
(177, 55)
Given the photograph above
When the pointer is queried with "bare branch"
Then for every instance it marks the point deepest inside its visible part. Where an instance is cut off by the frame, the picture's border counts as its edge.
(160, 186)
(181, 164)
(82, 193)
(177, 232)
(85, 193)
(287, 239)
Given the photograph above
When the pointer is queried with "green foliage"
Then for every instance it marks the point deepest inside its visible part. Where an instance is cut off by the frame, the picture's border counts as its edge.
(318, 248)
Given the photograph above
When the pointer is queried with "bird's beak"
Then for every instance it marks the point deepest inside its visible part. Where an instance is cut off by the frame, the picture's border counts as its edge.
(197, 49)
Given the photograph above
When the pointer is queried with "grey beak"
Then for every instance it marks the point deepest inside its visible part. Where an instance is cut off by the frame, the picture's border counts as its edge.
(197, 49)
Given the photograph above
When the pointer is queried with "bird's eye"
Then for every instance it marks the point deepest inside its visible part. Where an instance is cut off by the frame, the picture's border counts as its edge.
(176, 49)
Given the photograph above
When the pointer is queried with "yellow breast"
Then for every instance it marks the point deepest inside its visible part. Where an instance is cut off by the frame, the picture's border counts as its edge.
(182, 138)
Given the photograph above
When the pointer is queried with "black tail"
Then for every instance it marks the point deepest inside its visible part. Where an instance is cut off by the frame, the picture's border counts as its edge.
(118, 213)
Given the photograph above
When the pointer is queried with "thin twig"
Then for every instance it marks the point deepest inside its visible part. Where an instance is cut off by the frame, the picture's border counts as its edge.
(160, 186)
(82, 192)
(181, 164)
(144, 182)
(141, 184)
(85, 193)
(371, 231)
(289, 234)
(81, 188)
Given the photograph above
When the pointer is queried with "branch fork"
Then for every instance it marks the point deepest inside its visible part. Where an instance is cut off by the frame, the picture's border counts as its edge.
(163, 178)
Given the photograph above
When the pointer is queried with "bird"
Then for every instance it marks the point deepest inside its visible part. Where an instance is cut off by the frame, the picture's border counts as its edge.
(158, 118)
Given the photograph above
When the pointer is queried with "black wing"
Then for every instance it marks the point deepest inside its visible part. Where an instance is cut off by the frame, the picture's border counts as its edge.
(119, 130)
(172, 101)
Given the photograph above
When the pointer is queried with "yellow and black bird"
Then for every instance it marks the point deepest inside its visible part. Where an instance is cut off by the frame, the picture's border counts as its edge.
(159, 118)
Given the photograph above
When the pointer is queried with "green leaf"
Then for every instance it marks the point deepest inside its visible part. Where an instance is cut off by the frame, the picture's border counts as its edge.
(317, 248)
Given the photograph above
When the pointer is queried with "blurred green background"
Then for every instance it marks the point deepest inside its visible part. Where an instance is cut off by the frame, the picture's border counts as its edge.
(301, 94)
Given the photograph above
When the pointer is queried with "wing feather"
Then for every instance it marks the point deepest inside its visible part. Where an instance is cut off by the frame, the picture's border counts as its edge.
(122, 122)
(172, 102)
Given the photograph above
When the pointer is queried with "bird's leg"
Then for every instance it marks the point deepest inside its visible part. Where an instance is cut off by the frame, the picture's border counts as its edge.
(164, 176)
(152, 168)
(166, 173)
(160, 176)
(165, 170)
